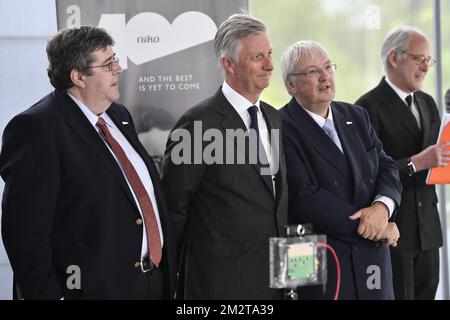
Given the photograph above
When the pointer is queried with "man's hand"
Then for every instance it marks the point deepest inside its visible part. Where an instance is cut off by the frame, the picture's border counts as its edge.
(436, 155)
(374, 221)
(392, 235)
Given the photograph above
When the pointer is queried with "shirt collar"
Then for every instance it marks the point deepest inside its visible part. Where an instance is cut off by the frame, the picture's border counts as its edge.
(318, 119)
(91, 116)
(398, 91)
(239, 102)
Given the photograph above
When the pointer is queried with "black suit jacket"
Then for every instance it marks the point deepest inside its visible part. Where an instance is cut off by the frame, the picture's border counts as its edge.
(66, 202)
(326, 187)
(223, 214)
(417, 218)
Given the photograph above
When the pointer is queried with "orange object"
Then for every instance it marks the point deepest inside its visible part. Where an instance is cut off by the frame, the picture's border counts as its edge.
(441, 175)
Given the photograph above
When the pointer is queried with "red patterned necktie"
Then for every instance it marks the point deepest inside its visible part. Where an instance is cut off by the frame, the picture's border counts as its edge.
(151, 225)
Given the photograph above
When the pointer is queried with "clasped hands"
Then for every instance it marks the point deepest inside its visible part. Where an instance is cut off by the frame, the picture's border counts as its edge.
(374, 224)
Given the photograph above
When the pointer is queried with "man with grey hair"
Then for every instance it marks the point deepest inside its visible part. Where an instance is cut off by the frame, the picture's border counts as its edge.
(225, 212)
(407, 121)
(339, 177)
(84, 215)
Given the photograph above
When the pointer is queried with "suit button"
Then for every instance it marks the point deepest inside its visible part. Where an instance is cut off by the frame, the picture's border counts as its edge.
(336, 183)
(355, 248)
(138, 222)
(419, 204)
(371, 181)
(137, 264)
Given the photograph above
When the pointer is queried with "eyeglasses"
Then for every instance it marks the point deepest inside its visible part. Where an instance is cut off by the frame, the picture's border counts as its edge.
(110, 65)
(314, 73)
(420, 59)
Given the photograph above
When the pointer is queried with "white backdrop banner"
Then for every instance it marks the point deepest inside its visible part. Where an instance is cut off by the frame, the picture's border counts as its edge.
(166, 51)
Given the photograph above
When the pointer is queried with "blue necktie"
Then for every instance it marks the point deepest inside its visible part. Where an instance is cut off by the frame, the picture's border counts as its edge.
(262, 156)
(330, 130)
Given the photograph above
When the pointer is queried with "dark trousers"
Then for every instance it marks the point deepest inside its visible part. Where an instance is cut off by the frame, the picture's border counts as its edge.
(155, 284)
(415, 274)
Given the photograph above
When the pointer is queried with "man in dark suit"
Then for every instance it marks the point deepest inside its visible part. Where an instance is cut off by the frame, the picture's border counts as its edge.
(84, 216)
(339, 177)
(407, 122)
(225, 209)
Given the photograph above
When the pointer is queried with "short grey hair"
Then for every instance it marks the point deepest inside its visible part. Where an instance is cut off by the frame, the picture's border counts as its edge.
(227, 42)
(397, 40)
(300, 50)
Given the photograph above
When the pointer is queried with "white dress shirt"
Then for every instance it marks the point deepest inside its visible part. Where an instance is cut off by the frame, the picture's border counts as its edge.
(241, 104)
(135, 160)
(321, 121)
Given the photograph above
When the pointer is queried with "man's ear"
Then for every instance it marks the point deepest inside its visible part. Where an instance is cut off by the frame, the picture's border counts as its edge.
(393, 58)
(228, 65)
(292, 89)
(77, 78)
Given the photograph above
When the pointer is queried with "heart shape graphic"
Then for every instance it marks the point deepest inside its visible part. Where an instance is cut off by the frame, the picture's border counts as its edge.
(150, 36)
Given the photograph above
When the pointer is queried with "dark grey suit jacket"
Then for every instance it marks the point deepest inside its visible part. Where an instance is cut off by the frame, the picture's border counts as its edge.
(223, 214)
(417, 218)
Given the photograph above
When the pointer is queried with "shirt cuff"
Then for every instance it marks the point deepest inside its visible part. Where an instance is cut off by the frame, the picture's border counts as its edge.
(387, 201)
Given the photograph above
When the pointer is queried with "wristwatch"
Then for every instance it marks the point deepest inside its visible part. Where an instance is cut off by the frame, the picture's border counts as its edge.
(411, 167)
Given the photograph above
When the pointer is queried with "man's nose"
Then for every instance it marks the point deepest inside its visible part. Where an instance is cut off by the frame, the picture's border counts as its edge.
(323, 74)
(268, 65)
(425, 65)
(117, 68)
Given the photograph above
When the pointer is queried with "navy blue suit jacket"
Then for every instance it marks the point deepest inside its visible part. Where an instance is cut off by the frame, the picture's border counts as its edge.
(326, 187)
(66, 202)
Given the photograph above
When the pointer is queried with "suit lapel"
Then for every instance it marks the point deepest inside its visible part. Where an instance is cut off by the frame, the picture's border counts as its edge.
(425, 120)
(277, 151)
(347, 131)
(269, 120)
(232, 120)
(317, 137)
(127, 130)
(78, 122)
(399, 109)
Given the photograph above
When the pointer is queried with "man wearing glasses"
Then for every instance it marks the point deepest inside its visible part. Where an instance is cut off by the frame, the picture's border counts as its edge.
(407, 122)
(339, 177)
(83, 212)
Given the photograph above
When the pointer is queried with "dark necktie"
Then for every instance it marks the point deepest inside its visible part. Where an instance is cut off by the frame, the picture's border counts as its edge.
(262, 156)
(151, 225)
(408, 100)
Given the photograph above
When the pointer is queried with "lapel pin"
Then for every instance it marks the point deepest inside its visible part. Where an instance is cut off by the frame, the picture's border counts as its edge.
(349, 122)
(124, 123)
